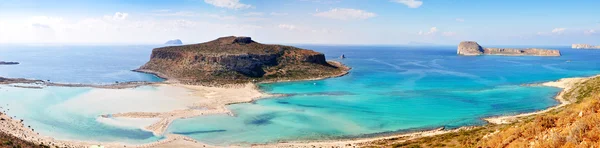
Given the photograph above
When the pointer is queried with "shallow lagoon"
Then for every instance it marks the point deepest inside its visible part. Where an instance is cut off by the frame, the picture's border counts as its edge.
(390, 89)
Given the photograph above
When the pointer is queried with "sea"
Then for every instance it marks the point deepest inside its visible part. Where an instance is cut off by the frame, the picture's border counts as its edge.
(390, 89)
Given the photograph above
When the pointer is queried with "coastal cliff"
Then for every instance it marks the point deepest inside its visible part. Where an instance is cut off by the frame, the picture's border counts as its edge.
(584, 46)
(471, 48)
(234, 60)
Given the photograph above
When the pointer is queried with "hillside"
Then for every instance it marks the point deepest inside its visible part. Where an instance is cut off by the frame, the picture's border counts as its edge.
(575, 125)
(231, 60)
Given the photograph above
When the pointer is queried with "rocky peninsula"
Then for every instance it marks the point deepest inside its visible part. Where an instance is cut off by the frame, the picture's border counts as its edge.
(239, 60)
(471, 48)
(584, 46)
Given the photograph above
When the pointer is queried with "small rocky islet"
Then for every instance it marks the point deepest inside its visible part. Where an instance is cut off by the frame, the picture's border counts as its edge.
(174, 42)
(8, 63)
(471, 48)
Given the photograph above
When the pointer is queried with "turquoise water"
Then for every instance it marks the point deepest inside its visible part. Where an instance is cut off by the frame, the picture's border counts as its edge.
(45, 111)
(390, 89)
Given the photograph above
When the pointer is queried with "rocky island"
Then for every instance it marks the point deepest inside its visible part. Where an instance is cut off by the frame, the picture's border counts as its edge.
(236, 60)
(8, 63)
(471, 48)
(174, 42)
(584, 46)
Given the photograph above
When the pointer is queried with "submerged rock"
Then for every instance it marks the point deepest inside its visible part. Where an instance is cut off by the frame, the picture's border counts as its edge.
(471, 48)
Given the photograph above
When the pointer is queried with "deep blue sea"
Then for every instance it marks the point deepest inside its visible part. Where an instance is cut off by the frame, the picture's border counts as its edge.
(389, 89)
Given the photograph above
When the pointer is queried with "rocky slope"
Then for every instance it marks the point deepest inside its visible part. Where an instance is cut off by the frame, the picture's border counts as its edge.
(584, 46)
(470, 48)
(230, 60)
(174, 42)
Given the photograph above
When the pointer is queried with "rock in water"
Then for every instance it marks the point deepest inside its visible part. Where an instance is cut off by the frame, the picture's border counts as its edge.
(174, 42)
(230, 60)
(471, 48)
(343, 56)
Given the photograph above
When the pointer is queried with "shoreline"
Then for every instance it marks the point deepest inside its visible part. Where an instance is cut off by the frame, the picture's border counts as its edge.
(566, 84)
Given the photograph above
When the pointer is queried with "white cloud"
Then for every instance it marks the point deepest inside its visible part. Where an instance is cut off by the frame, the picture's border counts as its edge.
(287, 26)
(590, 32)
(104, 29)
(431, 31)
(346, 14)
(410, 3)
(254, 14)
(178, 13)
(460, 20)
(278, 14)
(449, 33)
(117, 16)
(220, 17)
(230, 4)
(558, 30)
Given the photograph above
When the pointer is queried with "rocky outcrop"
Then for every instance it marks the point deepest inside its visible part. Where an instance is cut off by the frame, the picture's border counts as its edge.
(174, 42)
(470, 48)
(8, 63)
(231, 59)
(584, 46)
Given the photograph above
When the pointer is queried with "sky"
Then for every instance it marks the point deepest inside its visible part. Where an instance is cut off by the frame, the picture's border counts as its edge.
(336, 22)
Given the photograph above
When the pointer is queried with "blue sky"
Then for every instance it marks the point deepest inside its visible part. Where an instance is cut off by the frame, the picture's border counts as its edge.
(365, 22)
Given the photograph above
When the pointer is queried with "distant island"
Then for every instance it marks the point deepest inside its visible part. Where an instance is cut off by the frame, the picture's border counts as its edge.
(235, 60)
(8, 63)
(584, 46)
(471, 48)
(174, 42)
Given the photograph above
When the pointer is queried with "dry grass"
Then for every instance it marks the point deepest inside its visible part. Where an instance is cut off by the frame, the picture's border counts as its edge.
(8, 141)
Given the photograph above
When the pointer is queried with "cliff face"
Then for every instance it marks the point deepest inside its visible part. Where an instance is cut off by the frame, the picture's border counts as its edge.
(470, 48)
(230, 60)
(584, 46)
